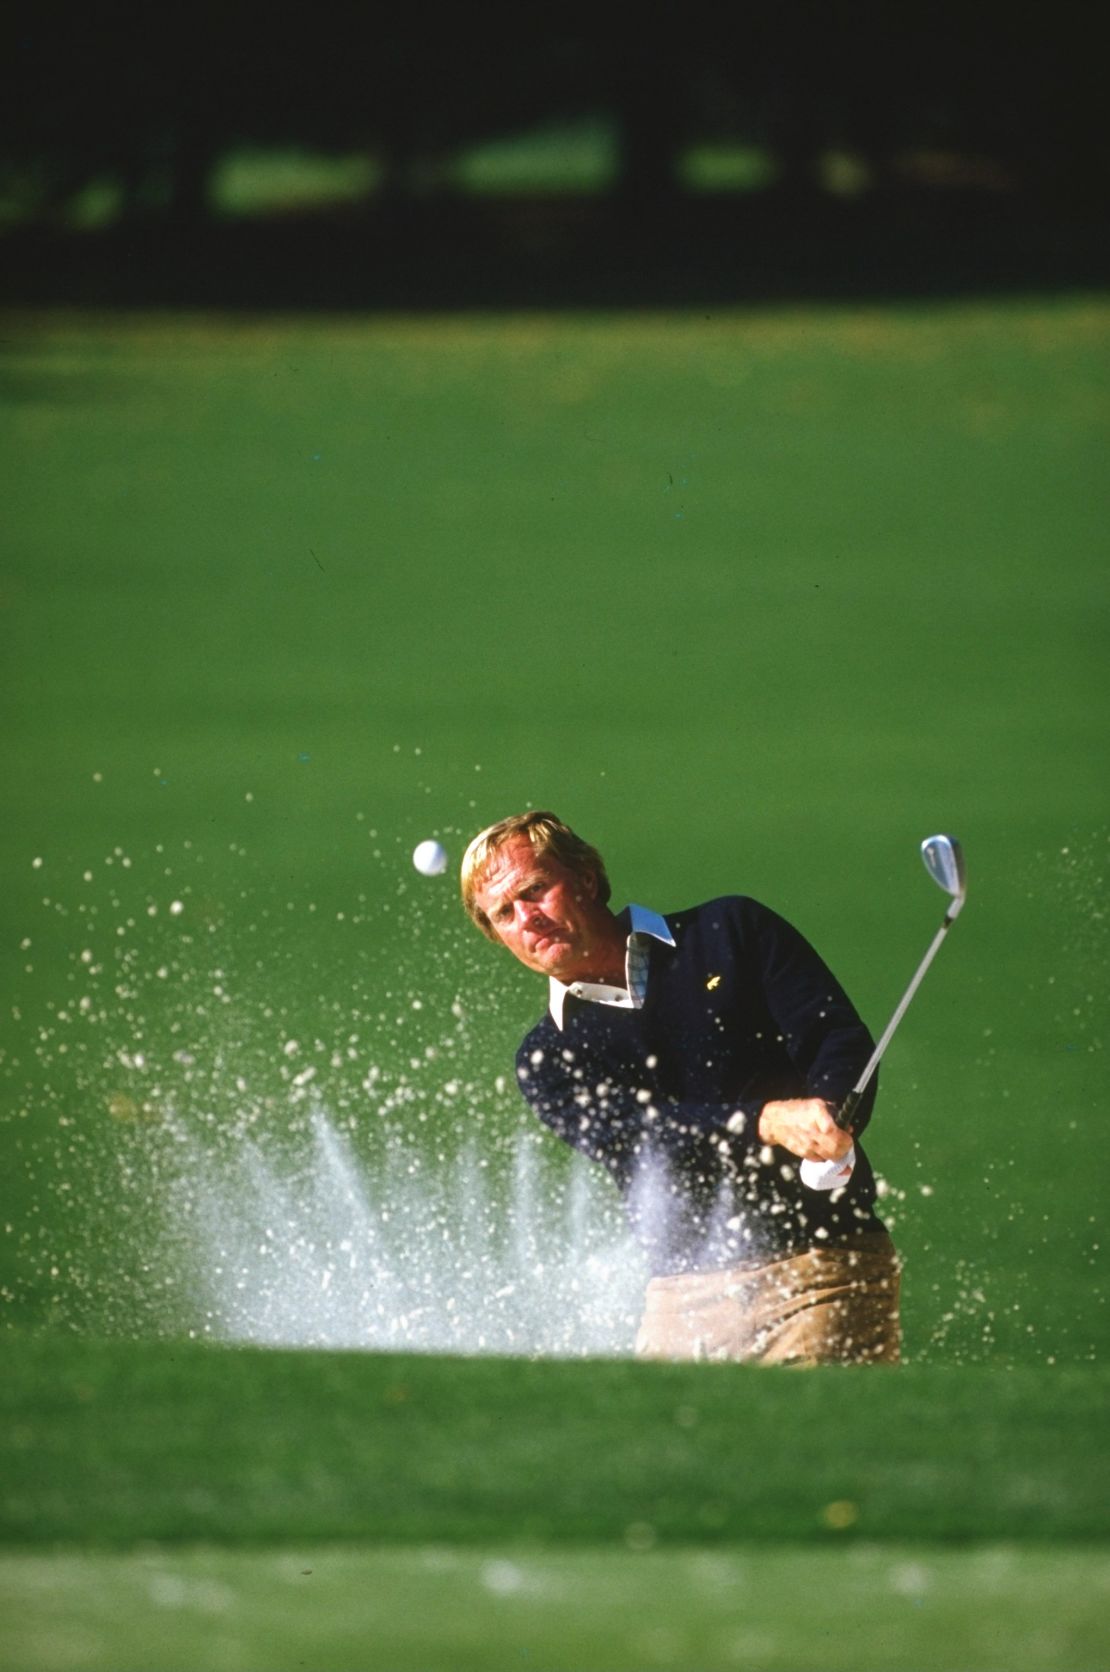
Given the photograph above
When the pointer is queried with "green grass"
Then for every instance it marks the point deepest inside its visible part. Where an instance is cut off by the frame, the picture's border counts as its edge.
(113, 1443)
(268, 1510)
(757, 600)
(889, 1608)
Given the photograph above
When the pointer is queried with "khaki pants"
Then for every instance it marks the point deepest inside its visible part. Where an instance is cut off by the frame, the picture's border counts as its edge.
(834, 1305)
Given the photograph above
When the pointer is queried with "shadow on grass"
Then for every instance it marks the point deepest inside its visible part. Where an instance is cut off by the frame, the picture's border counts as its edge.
(565, 252)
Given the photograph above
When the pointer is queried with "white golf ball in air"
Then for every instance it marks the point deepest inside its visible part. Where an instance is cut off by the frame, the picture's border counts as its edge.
(430, 858)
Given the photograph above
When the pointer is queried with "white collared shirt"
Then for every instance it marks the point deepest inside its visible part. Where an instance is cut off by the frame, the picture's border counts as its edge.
(646, 926)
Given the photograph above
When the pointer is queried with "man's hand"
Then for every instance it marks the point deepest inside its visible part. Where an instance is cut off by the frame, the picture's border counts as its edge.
(804, 1126)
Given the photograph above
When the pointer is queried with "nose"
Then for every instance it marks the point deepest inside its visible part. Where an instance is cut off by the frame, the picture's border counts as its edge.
(526, 912)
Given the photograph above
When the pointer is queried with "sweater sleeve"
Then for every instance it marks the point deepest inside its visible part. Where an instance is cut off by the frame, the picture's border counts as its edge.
(617, 1124)
(820, 1027)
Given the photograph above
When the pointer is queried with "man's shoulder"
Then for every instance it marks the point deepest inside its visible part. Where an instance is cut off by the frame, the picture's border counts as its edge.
(722, 930)
(720, 912)
(538, 1038)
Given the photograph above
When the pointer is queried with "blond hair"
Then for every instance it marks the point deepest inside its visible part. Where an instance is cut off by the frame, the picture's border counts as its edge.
(547, 834)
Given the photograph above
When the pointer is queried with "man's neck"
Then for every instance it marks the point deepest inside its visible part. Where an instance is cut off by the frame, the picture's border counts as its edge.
(605, 960)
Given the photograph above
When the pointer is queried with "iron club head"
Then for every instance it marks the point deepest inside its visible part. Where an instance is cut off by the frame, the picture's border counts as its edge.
(944, 861)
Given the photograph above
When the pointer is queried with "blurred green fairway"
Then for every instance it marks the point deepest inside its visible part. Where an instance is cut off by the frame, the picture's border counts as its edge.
(757, 600)
(449, 1610)
(166, 1505)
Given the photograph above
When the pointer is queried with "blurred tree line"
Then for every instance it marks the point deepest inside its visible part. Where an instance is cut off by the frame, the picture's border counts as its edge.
(151, 98)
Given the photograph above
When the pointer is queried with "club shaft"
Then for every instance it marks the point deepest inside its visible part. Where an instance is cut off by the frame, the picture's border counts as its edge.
(904, 1004)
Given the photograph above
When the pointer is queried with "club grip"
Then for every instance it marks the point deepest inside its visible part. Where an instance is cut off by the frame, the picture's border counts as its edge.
(845, 1112)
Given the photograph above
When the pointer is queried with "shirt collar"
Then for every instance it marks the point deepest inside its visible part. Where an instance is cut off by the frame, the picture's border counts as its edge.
(641, 921)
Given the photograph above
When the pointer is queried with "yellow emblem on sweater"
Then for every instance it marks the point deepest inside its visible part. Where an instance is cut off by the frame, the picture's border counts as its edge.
(714, 981)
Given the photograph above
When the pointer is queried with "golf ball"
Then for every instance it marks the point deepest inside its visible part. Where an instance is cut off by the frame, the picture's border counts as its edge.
(430, 858)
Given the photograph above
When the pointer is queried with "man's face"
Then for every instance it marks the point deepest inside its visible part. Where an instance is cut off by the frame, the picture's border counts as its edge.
(547, 916)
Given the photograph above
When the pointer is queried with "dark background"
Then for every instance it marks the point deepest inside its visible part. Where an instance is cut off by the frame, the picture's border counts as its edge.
(975, 133)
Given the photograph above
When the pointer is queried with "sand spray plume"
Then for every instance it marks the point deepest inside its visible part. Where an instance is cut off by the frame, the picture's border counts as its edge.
(299, 1243)
(242, 1128)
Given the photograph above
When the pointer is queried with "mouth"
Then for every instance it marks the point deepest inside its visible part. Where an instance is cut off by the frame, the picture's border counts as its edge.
(541, 942)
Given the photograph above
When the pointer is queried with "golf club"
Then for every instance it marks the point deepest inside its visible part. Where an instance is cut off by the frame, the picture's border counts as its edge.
(944, 862)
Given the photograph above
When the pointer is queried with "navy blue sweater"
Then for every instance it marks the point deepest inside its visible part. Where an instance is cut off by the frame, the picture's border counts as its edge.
(740, 1011)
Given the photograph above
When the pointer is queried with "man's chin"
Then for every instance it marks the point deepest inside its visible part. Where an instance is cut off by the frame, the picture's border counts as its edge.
(554, 958)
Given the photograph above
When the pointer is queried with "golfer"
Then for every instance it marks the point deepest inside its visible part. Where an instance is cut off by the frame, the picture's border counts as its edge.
(698, 1057)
